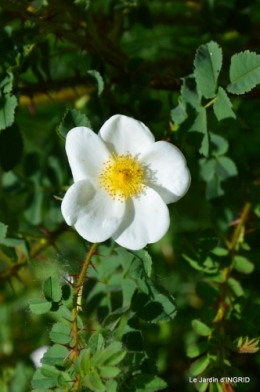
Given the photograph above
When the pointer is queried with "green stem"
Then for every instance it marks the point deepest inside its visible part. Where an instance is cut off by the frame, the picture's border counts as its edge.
(210, 103)
(77, 290)
(232, 245)
(239, 228)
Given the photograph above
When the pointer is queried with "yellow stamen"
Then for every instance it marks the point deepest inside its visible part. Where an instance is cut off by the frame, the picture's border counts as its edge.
(122, 177)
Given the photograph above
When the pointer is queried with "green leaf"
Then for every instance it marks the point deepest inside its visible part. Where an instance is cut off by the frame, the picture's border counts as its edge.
(33, 212)
(200, 261)
(52, 289)
(115, 358)
(64, 380)
(66, 292)
(111, 385)
(99, 80)
(208, 63)
(40, 381)
(101, 357)
(207, 168)
(3, 231)
(11, 147)
(80, 322)
(133, 338)
(66, 313)
(142, 264)
(7, 83)
(125, 258)
(189, 94)
(236, 287)
(243, 265)
(178, 114)
(153, 303)
(9, 252)
(50, 371)
(71, 119)
(43, 390)
(202, 387)
(112, 319)
(199, 365)
(222, 106)
(93, 382)
(39, 306)
(214, 188)
(197, 349)
(201, 328)
(109, 372)
(96, 343)
(148, 383)
(13, 242)
(82, 363)
(225, 167)
(219, 144)
(199, 129)
(60, 333)
(8, 104)
(244, 72)
(128, 289)
(55, 355)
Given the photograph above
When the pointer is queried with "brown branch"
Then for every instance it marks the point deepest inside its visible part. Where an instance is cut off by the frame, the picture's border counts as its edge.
(85, 36)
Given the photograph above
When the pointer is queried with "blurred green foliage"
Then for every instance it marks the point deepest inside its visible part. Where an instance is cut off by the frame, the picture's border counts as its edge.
(190, 71)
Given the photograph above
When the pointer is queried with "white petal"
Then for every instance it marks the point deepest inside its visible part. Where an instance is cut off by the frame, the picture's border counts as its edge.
(166, 171)
(123, 134)
(37, 355)
(95, 215)
(146, 221)
(86, 153)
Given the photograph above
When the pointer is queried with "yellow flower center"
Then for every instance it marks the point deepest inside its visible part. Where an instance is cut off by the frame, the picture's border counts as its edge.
(122, 177)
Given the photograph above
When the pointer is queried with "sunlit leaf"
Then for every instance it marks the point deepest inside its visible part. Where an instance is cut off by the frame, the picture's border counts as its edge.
(201, 328)
(55, 355)
(52, 289)
(71, 119)
(148, 383)
(199, 365)
(60, 333)
(244, 72)
(222, 106)
(39, 306)
(208, 63)
(8, 104)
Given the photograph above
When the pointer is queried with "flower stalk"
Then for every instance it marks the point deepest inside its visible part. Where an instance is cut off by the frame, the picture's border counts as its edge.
(77, 290)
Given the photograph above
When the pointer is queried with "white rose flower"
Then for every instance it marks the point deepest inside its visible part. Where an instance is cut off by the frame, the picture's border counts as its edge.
(123, 181)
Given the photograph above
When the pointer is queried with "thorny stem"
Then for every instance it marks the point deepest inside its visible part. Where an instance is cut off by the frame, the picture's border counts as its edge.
(77, 290)
(224, 290)
(232, 245)
(240, 227)
(236, 239)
